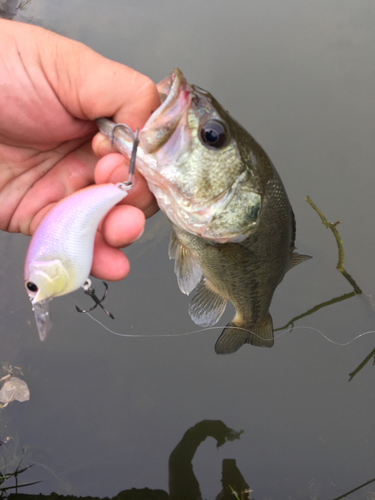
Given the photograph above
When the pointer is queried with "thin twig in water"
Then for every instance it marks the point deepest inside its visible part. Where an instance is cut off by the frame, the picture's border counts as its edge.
(341, 261)
(355, 489)
(360, 366)
(314, 309)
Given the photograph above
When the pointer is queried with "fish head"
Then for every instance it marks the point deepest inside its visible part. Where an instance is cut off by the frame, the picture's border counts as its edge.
(204, 177)
(44, 279)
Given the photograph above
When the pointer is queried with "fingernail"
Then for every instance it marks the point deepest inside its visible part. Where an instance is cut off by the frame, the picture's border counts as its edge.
(139, 236)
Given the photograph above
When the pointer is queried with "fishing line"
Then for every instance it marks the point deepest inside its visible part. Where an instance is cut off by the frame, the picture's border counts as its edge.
(341, 344)
(119, 334)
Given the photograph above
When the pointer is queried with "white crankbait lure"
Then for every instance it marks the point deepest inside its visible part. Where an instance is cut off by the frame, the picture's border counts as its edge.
(60, 254)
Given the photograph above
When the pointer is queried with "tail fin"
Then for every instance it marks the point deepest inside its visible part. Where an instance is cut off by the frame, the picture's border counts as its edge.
(236, 334)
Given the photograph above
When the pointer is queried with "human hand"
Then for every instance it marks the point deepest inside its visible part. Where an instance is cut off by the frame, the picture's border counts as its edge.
(51, 91)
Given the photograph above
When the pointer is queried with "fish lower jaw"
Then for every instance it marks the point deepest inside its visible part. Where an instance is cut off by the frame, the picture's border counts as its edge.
(237, 238)
(195, 219)
(201, 229)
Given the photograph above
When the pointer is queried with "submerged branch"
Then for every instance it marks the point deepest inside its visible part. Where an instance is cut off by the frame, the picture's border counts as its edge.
(355, 489)
(341, 261)
(316, 308)
(361, 365)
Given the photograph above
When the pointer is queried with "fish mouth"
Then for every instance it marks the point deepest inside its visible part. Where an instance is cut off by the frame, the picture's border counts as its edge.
(175, 94)
(166, 141)
(191, 214)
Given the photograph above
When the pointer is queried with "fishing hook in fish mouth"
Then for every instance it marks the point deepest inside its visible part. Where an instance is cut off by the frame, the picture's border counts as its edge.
(134, 150)
(89, 290)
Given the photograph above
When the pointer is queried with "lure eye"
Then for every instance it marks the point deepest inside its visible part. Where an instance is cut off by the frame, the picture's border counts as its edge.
(213, 134)
(31, 287)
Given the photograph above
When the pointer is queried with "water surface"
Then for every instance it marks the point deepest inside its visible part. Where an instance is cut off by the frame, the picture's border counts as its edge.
(106, 411)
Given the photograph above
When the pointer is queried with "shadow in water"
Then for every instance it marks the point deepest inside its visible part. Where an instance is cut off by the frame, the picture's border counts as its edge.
(183, 485)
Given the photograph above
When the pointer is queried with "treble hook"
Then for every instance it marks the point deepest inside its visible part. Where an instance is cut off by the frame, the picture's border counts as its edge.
(89, 290)
(134, 136)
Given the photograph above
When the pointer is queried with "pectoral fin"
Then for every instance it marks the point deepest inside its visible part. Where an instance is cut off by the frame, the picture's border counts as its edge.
(207, 306)
(238, 333)
(186, 268)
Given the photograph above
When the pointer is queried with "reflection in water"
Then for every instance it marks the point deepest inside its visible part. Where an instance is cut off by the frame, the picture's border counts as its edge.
(234, 484)
(6, 475)
(183, 484)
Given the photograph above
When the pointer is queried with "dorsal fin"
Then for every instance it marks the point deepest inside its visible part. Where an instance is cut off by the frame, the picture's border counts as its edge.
(297, 258)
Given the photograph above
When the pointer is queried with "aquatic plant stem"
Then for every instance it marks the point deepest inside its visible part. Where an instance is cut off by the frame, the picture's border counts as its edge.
(355, 489)
(314, 309)
(341, 261)
(361, 365)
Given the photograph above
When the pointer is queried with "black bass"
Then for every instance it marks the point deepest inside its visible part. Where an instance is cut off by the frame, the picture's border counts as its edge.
(233, 229)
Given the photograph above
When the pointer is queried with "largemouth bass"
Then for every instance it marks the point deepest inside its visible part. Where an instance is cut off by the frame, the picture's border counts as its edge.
(233, 229)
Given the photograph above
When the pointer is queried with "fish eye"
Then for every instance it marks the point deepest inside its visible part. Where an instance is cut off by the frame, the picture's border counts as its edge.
(213, 134)
(31, 287)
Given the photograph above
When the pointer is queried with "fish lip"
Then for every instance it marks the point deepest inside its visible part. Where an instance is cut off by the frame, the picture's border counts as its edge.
(163, 122)
(165, 86)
